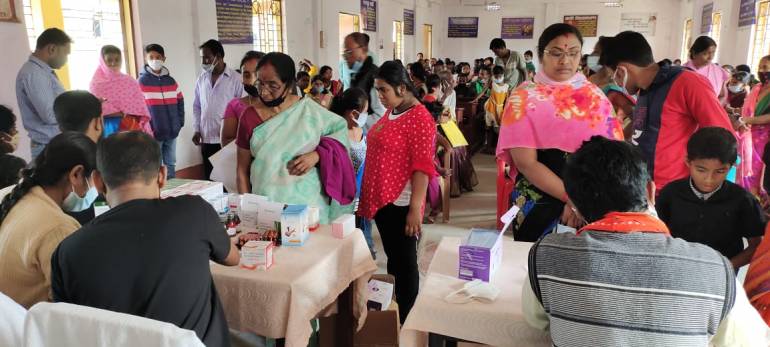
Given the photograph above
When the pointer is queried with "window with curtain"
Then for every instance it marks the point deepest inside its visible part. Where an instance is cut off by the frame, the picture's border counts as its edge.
(267, 25)
(761, 45)
(398, 40)
(716, 28)
(686, 40)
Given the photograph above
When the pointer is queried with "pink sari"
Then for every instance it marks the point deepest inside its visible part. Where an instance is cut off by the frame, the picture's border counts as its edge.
(120, 93)
(555, 115)
(752, 146)
(716, 75)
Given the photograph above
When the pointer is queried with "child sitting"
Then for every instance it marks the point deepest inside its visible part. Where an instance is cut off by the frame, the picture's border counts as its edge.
(707, 209)
(494, 108)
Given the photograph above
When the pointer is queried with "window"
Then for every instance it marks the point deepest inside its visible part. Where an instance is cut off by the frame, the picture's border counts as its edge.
(716, 28)
(427, 40)
(398, 40)
(686, 40)
(267, 25)
(761, 45)
(91, 24)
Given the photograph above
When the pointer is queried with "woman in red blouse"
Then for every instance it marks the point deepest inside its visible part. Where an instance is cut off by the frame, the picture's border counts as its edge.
(399, 164)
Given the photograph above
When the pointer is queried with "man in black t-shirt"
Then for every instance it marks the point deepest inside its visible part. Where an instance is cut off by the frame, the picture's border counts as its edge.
(707, 209)
(146, 256)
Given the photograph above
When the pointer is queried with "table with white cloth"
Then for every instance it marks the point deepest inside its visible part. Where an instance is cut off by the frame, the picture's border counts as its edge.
(500, 323)
(304, 283)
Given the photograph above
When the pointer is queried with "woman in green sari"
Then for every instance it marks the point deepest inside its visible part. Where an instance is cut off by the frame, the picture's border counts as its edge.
(756, 114)
(286, 149)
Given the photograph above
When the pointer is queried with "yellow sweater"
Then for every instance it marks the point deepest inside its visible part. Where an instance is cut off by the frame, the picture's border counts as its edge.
(29, 235)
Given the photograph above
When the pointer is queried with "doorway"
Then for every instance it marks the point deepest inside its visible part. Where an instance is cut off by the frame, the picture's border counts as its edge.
(348, 23)
(427, 40)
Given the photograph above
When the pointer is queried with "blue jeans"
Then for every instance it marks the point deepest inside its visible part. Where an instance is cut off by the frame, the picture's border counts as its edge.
(35, 148)
(366, 226)
(168, 153)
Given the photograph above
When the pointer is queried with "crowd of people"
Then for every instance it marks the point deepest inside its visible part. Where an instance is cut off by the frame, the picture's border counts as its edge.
(658, 166)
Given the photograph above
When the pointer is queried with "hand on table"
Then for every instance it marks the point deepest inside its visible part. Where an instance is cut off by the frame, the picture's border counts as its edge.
(302, 164)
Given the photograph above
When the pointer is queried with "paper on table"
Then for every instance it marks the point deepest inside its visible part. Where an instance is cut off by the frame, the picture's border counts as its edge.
(269, 214)
(224, 166)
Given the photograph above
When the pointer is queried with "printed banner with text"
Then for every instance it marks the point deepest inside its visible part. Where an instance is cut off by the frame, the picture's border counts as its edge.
(747, 13)
(585, 24)
(369, 14)
(517, 28)
(408, 22)
(463, 27)
(234, 21)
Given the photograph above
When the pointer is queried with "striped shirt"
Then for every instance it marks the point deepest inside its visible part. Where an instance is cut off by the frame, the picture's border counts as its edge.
(630, 289)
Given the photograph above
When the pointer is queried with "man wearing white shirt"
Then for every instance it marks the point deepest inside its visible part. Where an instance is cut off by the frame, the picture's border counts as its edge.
(216, 86)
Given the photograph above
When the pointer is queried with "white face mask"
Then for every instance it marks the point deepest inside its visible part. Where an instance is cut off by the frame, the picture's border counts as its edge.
(209, 67)
(593, 63)
(362, 118)
(155, 65)
(499, 80)
(735, 89)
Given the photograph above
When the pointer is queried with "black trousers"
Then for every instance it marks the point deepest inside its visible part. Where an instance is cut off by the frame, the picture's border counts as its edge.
(401, 251)
(207, 150)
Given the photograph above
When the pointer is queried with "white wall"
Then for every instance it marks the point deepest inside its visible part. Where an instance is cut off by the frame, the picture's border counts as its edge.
(549, 12)
(16, 51)
(734, 44)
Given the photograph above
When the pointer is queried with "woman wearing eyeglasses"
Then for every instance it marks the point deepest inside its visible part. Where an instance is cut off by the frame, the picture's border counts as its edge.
(297, 151)
(543, 122)
(357, 69)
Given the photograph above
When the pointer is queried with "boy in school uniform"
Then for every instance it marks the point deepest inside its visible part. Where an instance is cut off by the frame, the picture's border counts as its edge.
(707, 209)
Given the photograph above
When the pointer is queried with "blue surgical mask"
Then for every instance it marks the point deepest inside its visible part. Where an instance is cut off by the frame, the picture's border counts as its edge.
(356, 66)
(75, 203)
(593, 63)
(318, 90)
(362, 118)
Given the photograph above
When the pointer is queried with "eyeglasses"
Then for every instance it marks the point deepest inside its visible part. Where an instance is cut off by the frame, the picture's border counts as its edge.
(558, 54)
(271, 87)
(348, 52)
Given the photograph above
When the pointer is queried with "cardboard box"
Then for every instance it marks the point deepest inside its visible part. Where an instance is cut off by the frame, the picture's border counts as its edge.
(380, 329)
(212, 192)
(343, 226)
(294, 228)
(248, 212)
(257, 255)
(380, 295)
(480, 255)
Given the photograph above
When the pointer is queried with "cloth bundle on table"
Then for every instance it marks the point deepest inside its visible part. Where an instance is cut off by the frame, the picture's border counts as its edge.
(752, 143)
(293, 132)
(553, 118)
(120, 93)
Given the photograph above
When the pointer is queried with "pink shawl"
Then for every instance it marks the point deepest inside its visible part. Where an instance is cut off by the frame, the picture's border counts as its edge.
(120, 93)
(555, 115)
(716, 75)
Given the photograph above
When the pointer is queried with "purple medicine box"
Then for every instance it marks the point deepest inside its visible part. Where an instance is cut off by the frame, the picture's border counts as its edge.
(480, 255)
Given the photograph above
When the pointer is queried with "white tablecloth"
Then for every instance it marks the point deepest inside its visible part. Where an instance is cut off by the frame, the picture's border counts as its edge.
(301, 284)
(500, 323)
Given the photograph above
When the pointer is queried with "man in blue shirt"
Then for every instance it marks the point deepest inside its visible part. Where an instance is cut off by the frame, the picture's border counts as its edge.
(37, 87)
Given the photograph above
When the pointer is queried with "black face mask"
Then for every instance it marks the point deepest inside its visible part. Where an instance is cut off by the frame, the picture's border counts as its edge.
(764, 77)
(275, 102)
(251, 90)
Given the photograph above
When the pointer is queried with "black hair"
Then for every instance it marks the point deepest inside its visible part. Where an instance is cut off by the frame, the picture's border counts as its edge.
(283, 65)
(7, 119)
(154, 47)
(433, 82)
(127, 157)
(487, 69)
(552, 32)
(215, 47)
(110, 49)
(701, 44)
(75, 109)
(742, 76)
(52, 36)
(317, 77)
(620, 185)
(360, 39)
(324, 69)
(713, 143)
(665, 62)
(439, 62)
(351, 99)
(742, 67)
(10, 169)
(251, 55)
(394, 74)
(490, 59)
(301, 75)
(627, 47)
(64, 152)
(496, 43)
(497, 70)
(529, 53)
(435, 109)
(418, 72)
(678, 60)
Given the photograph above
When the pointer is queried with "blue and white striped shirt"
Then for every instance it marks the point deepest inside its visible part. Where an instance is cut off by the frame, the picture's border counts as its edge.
(36, 89)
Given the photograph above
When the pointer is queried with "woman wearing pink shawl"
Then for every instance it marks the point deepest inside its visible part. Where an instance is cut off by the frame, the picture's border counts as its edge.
(123, 105)
(543, 122)
(702, 54)
(756, 114)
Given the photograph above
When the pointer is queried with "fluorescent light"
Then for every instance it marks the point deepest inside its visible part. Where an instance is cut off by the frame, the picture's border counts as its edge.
(493, 7)
(613, 4)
